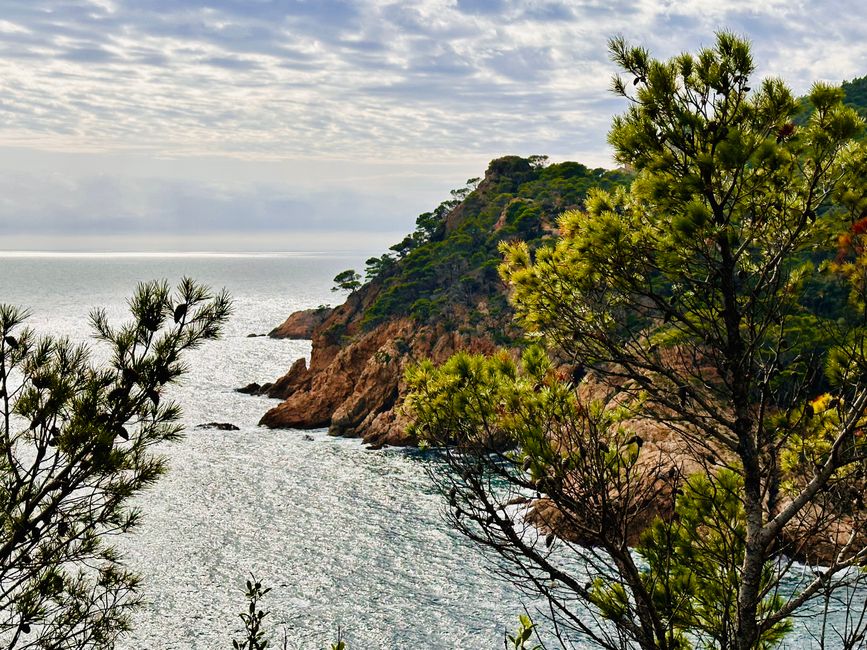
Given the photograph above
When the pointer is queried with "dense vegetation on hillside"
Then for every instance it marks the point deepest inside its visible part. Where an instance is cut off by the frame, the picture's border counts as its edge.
(449, 263)
(856, 94)
(451, 259)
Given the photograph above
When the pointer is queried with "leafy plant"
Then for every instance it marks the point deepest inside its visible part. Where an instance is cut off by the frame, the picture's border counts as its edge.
(525, 632)
(254, 636)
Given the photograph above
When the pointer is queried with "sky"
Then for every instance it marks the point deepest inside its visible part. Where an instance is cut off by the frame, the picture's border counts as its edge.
(280, 125)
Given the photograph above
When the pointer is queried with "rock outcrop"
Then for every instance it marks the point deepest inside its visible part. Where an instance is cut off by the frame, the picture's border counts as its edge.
(219, 426)
(354, 389)
(361, 349)
(301, 324)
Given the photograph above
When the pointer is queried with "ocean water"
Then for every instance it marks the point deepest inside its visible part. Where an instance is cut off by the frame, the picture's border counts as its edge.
(347, 537)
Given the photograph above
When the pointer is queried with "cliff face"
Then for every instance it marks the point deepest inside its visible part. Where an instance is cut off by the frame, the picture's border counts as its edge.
(437, 294)
(355, 389)
(354, 384)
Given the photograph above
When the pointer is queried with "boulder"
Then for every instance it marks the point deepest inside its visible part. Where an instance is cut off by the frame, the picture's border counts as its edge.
(301, 324)
(250, 389)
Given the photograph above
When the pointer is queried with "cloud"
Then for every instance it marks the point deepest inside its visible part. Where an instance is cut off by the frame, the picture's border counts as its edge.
(491, 7)
(113, 204)
(366, 81)
(550, 12)
(87, 55)
(231, 63)
(159, 70)
(74, 196)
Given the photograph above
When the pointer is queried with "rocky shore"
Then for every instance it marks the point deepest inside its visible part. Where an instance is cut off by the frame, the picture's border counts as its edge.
(354, 383)
(301, 324)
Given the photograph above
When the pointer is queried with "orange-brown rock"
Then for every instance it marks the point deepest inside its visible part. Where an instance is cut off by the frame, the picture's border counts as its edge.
(354, 382)
(823, 533)
(296, 379)
(354, 388)
(301, 324)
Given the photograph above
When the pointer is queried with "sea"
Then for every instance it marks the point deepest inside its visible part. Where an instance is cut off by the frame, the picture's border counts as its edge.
(351, 541)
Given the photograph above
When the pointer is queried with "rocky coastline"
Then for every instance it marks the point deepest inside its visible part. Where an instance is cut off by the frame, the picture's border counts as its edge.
(301, 324)
(354, 382)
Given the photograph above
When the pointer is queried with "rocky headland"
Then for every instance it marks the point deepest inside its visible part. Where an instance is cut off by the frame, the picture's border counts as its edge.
(438, 293)
(301, 324)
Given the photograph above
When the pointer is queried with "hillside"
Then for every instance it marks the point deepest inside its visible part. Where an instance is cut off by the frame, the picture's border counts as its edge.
(435, 293)
(855, 95)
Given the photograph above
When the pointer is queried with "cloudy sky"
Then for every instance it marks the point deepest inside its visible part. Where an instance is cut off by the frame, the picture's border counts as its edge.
(320, 124)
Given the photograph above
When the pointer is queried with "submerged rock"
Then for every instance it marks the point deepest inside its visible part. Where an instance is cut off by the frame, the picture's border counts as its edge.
(221, 426)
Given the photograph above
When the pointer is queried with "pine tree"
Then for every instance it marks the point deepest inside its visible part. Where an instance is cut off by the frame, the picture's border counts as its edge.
(77, 443)
(720, 302)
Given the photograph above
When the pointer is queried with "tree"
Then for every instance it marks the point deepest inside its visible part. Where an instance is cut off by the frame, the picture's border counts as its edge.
(378, 266)
(77, 445)
(538, 162)
(347, 280)
(690, 419)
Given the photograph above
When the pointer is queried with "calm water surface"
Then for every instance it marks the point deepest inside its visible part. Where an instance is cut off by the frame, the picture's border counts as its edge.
(346, 536)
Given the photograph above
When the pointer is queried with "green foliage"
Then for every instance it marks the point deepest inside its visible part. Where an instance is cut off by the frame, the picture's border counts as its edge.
(855, 94)
(438, 267)
(376, 266)
(692, 569)
(77, 446)
(525, 632)
(347, 280)
(693, 294)
(693, 565)
(435, 267)
(255, 637)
